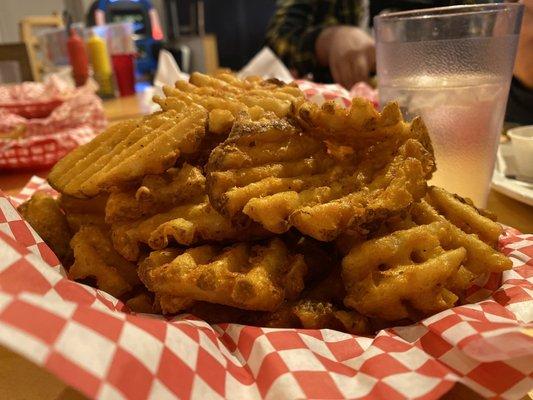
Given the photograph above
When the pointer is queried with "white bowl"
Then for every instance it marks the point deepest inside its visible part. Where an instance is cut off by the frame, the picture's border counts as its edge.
(522, 143)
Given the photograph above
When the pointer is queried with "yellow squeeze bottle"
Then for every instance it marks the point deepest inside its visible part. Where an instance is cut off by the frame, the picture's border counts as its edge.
(101, 65)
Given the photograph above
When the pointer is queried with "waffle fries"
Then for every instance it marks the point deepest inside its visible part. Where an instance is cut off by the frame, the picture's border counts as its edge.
(45, 216)
(128, 151)
(423, 269)
(241, 202)
(276, 175)
(252, 277)
(96, 258)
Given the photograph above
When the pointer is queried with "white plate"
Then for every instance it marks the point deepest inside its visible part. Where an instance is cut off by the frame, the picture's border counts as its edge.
(518, 190)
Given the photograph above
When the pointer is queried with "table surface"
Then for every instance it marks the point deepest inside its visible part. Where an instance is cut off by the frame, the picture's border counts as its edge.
(20, 379)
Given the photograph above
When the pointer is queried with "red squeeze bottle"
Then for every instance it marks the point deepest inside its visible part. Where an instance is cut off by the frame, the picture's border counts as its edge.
(77, 55)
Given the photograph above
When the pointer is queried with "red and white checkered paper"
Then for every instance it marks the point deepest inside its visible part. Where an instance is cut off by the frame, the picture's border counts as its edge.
(92, 342)
(78, 118)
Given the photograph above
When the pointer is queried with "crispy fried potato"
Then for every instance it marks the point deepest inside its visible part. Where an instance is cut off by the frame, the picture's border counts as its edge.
(128, 151)
(155, 194)
(423, 268)
(481, 258)
(95, 257)
(406, 272)
(170, 207)
(314, 314)
(186, 224)
(272, 172)
(227, 93)
(361, 125)
(81, 212)
(464, 215)
(245, 275)
(142, 303)
(44, 215)
(179, 211)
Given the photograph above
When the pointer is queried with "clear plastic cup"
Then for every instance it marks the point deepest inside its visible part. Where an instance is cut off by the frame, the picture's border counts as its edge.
(453, 67)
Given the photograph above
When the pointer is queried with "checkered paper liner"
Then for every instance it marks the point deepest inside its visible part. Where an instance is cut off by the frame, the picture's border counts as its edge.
(92, 342)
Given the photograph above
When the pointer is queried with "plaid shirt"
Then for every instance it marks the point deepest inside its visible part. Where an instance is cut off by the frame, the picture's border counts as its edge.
(296, 25)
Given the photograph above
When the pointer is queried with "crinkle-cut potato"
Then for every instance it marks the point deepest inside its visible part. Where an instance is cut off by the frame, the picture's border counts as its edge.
(421, 269)
(187, 224)
(42, 212)
(464, 215)
(95, 257)
(226, 97)
(360, 125)
(155, 194)
(171, 207)
(481, 257)
(128, 151)
(279, 176)
(142, 303)
(250, 276)
(82, 212)
(242, 202)
(405, 272)
(314, 314)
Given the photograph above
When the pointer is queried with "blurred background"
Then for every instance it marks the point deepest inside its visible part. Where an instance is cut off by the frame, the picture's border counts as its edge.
(201, 35)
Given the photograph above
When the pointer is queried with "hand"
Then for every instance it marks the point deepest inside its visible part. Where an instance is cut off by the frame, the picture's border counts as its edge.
(348, 51)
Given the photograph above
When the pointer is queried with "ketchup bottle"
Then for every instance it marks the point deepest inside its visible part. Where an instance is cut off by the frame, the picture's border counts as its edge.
(77, 55)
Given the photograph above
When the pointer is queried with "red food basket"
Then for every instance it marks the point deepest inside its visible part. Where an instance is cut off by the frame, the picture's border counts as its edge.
(32, 109)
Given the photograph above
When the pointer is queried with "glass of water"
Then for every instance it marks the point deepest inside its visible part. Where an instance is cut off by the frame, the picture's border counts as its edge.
(452, 66)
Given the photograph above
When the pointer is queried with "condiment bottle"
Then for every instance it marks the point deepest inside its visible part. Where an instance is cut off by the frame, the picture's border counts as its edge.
(101, 65)
(78, 58)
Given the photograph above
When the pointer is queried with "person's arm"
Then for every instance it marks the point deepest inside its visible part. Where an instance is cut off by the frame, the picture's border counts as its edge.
(523, 68)
(520, 101)
(296, 26)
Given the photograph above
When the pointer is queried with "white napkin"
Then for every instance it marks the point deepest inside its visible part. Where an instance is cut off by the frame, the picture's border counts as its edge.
(168, 72)
(267, 65)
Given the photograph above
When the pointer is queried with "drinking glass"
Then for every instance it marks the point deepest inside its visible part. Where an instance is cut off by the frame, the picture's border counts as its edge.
(452, 66)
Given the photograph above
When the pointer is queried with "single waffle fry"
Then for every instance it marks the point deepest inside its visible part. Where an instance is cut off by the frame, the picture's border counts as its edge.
(278, 176)
(481, 259)
(95, 257)
(156, 193)
(402, 275)
(464, 215)
(42, 212)
(245, 275)
(361, 125)
(82, 157)
(186, 224)
(130, 153)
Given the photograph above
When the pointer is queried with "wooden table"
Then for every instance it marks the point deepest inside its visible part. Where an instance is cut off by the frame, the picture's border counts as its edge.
(20, 379)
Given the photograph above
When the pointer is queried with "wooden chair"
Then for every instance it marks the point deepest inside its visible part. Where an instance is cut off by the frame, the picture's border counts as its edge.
(17, 52)
(28, 26)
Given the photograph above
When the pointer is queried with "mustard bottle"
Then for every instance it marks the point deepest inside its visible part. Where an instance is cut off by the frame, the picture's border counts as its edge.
(101, 65)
